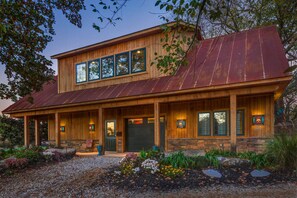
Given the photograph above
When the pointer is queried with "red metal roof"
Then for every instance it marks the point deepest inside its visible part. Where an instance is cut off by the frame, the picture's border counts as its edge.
(246, 56)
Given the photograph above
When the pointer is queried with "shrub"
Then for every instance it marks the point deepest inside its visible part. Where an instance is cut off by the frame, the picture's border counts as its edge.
(151, 154)
(169, 171)
(282, 151)
(31, 155)
(13, 163)
(257, 160)
(128, 164)
(151, 165)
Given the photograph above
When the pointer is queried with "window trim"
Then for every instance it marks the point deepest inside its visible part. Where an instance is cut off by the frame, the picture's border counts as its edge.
(113, 72)
(210, 123)
(129, 65)
(131, 52)
(88, 77)
(86, 63)
(227, 123)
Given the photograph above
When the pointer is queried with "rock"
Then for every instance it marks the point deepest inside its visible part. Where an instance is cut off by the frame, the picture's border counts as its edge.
(63, 151)
(226, 161)
(212, 173)
(259, 173)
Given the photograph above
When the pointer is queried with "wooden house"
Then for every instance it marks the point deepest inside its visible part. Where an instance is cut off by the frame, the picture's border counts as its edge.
(108, 92)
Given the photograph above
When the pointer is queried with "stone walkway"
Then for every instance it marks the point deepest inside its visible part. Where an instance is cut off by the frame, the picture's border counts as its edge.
(76, 178)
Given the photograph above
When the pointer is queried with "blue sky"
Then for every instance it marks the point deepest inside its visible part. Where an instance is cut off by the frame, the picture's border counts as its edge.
(137, 15)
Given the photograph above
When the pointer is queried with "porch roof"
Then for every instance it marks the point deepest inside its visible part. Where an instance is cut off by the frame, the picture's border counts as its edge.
(247, 56)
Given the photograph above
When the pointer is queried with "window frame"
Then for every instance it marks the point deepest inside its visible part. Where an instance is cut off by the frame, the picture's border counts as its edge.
(113, 71)
(88, 68)
(210, 123)
(86, 64)
(129, 64)
(227, 123)
(131, 56)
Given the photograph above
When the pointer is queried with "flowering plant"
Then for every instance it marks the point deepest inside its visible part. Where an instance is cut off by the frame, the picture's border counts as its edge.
(128, 163)
(151, 165)
(170, 171)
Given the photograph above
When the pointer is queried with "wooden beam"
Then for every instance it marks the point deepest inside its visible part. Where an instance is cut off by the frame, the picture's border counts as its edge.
(57, 129)
(101, 127)
(233, 121)
(26, 131)
(157, 124)
(37, 132)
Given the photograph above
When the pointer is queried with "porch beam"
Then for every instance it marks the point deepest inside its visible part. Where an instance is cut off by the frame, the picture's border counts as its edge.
(37, 132)
(57, 129)
(157, 124)
(233, 104)
(26, 131)
(101, 128)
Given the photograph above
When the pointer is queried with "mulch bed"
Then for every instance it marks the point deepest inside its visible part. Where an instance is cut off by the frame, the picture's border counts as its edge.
(238, 176)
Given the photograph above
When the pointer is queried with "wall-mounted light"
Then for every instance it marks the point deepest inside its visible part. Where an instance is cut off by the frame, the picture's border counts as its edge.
(91, 127)
(258, 119)
(181, 124)
(62, 128)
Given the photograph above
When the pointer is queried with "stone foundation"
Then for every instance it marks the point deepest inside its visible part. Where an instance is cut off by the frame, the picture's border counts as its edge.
(243, 144)
(79, 145)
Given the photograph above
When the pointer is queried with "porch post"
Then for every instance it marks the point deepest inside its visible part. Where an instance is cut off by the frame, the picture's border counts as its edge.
(57, 129)
(37, 132)
(26, 131)
(157, 124)
(101, 128)
(233, 121)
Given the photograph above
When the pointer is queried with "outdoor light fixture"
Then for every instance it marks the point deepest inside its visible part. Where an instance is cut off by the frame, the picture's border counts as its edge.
(91, 127)
(62, 128)
(181, 124)
(258, 119)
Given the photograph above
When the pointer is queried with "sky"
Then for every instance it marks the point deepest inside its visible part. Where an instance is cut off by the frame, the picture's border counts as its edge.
(137, 15)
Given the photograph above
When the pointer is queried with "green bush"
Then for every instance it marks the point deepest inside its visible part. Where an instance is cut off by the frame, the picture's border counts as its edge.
(32, 155)
(257, 160)
(151, 154)
(179, 160)
(282, 151)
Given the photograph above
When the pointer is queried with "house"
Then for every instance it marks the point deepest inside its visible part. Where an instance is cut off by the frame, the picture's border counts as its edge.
(109, 93)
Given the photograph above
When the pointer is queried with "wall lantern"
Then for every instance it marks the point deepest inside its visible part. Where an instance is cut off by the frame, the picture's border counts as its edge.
(62, 129)
(181, 124)
(91, 127)
(258, 119)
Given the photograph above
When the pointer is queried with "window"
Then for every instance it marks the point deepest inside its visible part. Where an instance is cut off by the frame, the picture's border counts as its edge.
(107, 67)
(152, 120)
(81, 72)
(204, 124)
(138, 61)
(240, 122)
(94, 70)
(122, 64)
(110, 128)
(220, 123)
(135, 121)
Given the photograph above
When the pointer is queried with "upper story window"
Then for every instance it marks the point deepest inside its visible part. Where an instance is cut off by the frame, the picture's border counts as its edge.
(107, 67)
(122, 64)
(81, 72)
(94, 70)
(138, 61)
(111, 66)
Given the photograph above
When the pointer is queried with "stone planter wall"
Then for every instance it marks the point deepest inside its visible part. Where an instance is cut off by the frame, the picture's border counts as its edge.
(79, 145)
(243, 144)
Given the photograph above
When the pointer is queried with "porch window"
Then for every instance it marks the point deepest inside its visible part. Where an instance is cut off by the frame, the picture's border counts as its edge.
(81, 72)
(107, 67)
(204, 124)
(138, 62)
(94, 70)
(240, 122)
(220, 123)
(122, 64)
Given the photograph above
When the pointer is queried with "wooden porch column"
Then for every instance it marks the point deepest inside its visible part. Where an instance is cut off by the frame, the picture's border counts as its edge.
(101, 128)
(57, 129)
(233, 121)
(157, 124)
(26, 131)
(37, 132)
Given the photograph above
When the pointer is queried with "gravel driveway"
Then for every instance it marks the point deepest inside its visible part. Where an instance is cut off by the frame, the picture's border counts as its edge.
(76, 178)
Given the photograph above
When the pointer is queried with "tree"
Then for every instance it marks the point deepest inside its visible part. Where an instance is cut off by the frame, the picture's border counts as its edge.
(26, 27)
(10, 130)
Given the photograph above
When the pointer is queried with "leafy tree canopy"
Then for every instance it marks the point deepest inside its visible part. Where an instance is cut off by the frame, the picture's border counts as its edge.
(26, 27)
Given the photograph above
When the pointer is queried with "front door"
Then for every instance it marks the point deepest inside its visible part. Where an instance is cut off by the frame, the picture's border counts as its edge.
(110, 135)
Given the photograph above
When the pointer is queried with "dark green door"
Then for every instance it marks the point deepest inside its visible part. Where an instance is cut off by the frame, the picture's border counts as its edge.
(140, 134)
(110, 135)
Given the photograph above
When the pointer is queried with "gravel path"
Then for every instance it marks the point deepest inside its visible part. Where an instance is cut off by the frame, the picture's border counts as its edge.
(76, 178)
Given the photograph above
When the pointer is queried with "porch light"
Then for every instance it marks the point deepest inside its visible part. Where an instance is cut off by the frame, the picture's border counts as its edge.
(258, 119)
(181, 124)
(91, 127)
(62, 129)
